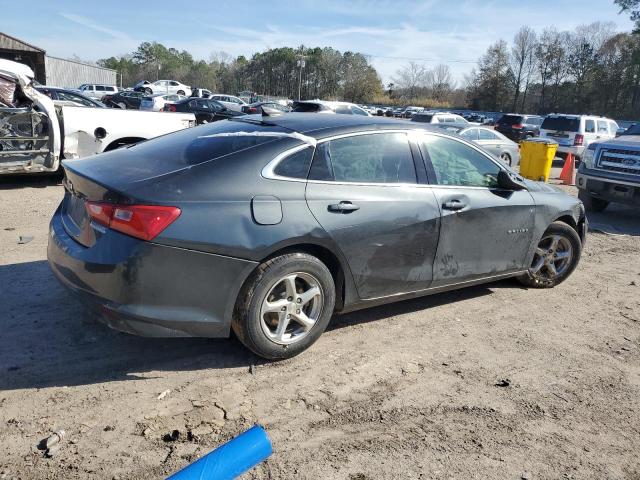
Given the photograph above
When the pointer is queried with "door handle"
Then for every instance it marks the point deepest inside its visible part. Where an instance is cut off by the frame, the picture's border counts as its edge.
(454, 205)
(343, 207)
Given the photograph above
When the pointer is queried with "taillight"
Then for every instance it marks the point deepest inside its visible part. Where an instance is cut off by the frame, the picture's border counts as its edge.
(169, 108)
(517, 126)
(253, 110)
(140, 221)
(579, 140)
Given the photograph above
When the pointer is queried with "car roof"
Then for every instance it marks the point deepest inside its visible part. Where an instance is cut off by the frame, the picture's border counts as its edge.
(319, 125)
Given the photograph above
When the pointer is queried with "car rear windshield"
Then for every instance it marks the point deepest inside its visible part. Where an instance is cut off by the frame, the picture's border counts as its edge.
(197, 145)
(306, 107)
(561, 124)
(510, 119)
(422, 118)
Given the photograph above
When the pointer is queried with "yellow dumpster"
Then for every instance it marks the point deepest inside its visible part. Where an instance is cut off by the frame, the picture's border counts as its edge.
(536, 157)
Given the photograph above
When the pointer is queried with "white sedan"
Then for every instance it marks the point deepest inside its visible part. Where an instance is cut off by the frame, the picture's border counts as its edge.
(167, 87)
(155, 103)
(229, 101)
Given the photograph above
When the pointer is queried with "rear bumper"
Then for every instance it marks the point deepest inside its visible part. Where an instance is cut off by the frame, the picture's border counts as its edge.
(149, 289)
(575, 151)
(609, 186)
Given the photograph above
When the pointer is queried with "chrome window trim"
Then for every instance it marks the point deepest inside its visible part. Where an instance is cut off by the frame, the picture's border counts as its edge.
(268, 170)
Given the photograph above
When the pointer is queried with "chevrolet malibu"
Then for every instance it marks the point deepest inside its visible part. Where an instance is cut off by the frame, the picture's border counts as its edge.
(268, 225)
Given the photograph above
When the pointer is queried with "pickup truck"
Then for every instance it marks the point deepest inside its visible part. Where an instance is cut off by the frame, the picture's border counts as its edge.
(610, 172)
(35, 134)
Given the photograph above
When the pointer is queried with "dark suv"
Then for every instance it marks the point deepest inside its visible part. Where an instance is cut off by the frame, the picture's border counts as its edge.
(518, 127)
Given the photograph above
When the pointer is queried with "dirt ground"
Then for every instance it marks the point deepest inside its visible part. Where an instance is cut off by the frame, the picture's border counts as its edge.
(491, 382)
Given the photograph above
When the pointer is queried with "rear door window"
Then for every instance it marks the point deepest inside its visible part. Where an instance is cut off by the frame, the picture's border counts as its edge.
(487, 134)
(589, 126)
(470, 134)
(561, 124)
(373, 158)
(603, 126)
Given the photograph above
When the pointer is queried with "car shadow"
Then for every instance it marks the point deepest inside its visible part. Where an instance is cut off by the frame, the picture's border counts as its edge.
(49, 339)
(616, 219)
(32, 180)
(374, 314)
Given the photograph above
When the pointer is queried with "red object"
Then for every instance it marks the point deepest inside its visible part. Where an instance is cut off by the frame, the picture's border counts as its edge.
(170, 108)
(140, 221)
(579, 140)
(568, 173)
(517, 126)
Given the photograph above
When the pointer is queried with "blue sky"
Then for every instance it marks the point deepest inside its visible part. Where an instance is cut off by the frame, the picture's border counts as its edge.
(455, 32)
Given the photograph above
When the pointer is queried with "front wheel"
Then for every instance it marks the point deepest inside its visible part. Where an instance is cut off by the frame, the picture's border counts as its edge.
(180, 92)
(506, 158)
(555, 258)
(285, 306)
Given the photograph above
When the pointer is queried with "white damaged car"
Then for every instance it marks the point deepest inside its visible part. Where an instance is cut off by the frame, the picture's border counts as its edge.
(35, 135)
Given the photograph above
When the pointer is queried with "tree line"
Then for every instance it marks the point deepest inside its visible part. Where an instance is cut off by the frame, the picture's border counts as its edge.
(318, 72)
(593, 69)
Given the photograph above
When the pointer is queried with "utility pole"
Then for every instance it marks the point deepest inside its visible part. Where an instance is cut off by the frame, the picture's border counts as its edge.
(301, 64)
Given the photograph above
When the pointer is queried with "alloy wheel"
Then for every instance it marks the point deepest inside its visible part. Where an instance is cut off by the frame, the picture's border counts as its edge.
(552, 258)
(506, 158)
(291, 308)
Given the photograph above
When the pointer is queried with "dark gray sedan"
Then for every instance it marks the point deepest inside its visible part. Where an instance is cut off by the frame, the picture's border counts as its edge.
(269, 225)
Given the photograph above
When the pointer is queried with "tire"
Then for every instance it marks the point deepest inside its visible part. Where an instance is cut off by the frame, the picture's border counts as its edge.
(558, 239)
(592, 204)
(180, 92)
(122, 105)
(148, 91)
(258, 315)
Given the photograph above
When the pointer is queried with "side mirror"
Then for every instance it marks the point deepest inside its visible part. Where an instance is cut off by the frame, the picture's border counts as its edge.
(510, 181)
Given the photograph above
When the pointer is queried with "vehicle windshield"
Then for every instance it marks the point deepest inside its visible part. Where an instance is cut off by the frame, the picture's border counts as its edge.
(510, 119)
(632, 130)
(563, 124)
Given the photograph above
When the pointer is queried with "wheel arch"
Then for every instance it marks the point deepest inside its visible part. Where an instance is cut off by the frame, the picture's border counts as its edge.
(325, 255)
(577, 226)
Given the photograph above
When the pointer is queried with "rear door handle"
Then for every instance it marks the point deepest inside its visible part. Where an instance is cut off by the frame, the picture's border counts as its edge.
(343, 207)
(454, 205)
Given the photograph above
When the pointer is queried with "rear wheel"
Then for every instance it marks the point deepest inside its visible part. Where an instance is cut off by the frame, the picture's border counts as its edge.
(555, 258)
(285, 306)
(506, 158)
(148, 91)
(180, 92)
(592, 204)
(122, 105)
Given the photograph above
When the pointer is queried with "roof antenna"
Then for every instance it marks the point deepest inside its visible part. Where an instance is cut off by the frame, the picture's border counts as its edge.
(270, 112)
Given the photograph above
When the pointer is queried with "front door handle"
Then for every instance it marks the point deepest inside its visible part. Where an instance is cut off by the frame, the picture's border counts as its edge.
(343, 207)
(454, 205)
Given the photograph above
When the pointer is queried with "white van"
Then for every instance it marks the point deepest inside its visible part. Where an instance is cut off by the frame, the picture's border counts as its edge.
(98, 91)
(574, 133)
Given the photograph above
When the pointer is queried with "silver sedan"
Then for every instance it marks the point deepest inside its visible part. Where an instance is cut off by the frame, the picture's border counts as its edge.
(492, 141)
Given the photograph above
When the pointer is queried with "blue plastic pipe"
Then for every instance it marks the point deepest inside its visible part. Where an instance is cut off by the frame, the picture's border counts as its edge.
(231, 459)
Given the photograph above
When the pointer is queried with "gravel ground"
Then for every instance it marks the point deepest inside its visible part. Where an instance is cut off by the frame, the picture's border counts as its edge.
(491, 382)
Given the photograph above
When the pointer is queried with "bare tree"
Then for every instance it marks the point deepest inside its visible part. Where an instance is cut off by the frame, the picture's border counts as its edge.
(410, 78)
(521, 59)
(441, 82)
